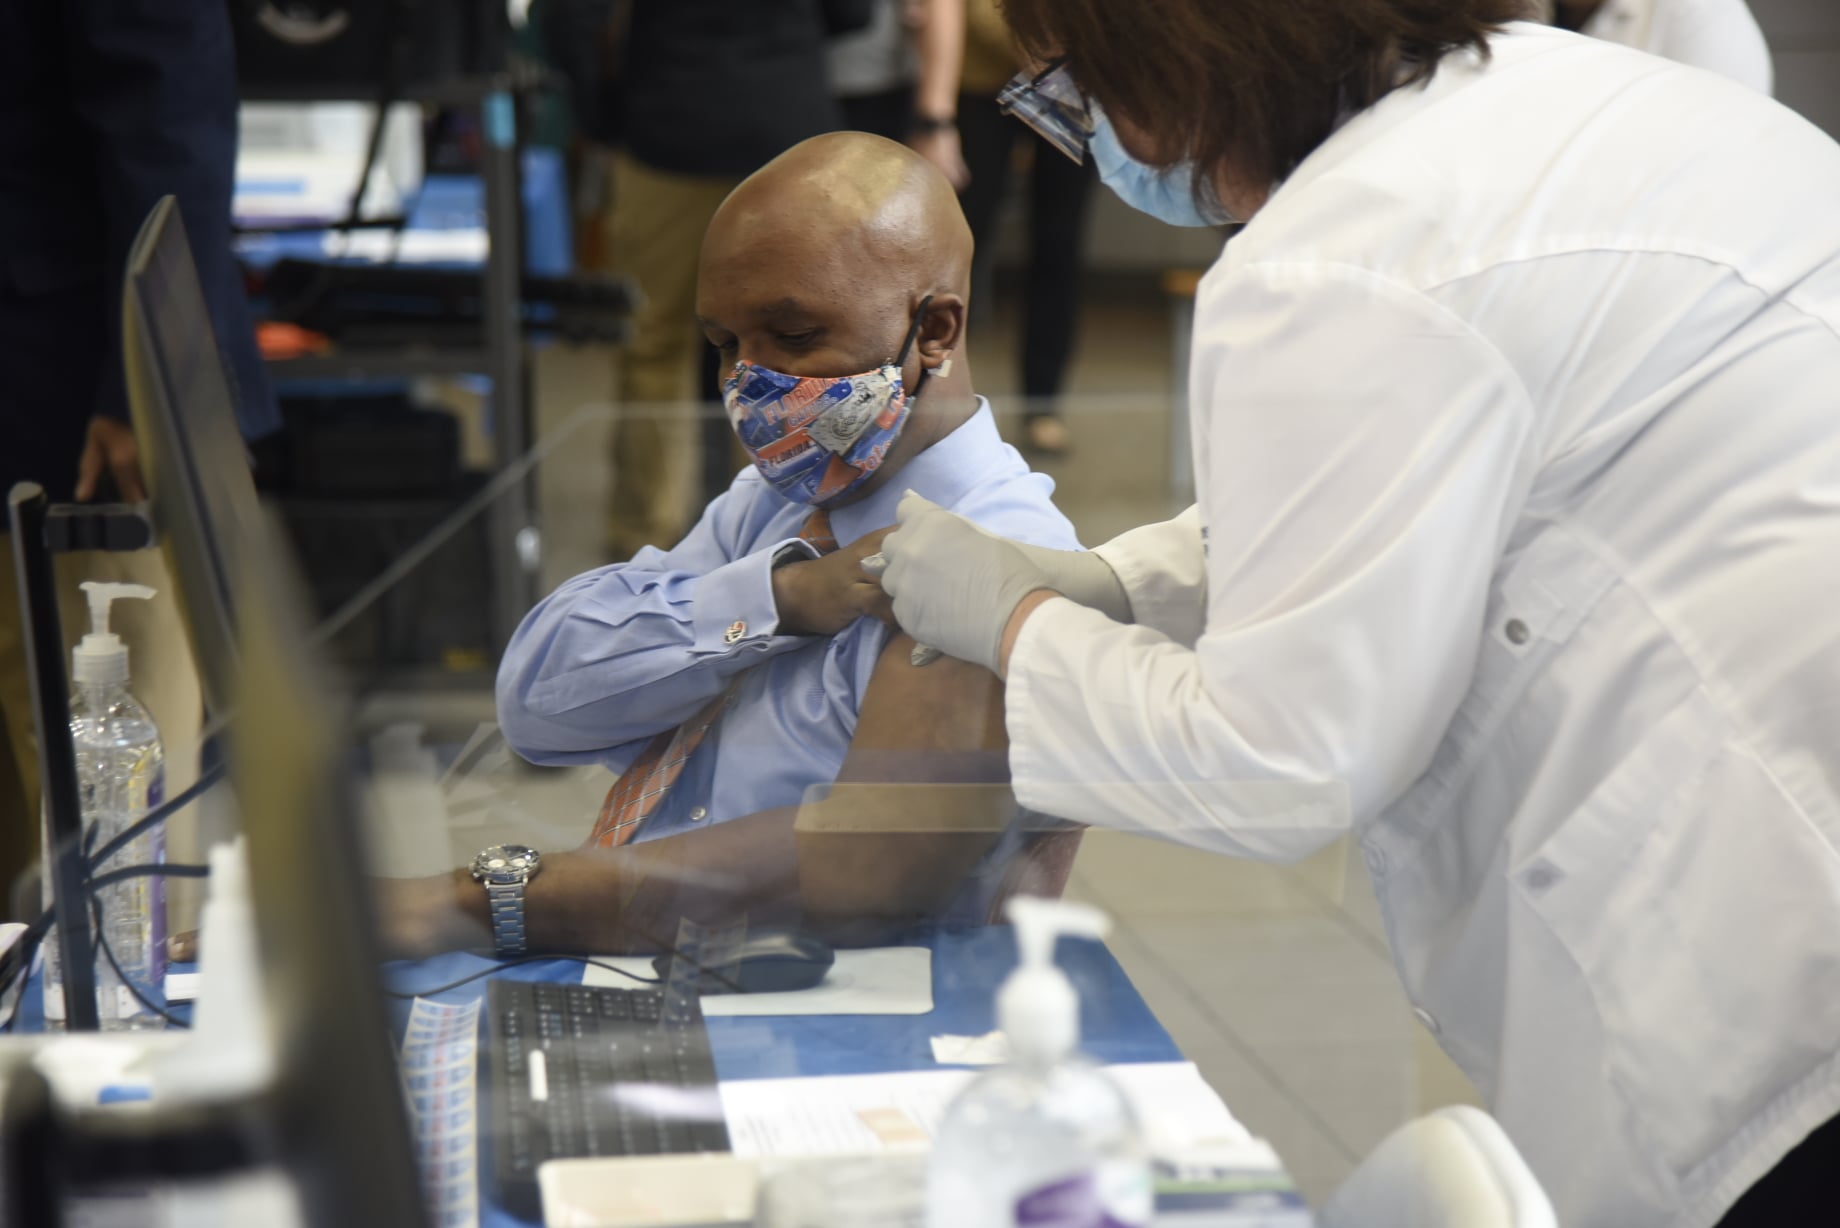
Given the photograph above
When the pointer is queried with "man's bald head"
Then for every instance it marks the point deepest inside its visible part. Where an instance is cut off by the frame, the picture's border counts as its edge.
(820, 262)
(844, 199)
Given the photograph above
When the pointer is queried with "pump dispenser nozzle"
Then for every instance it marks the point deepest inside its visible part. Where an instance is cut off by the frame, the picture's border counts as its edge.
(101, 657)
(227, 1053)
(1037, 1007)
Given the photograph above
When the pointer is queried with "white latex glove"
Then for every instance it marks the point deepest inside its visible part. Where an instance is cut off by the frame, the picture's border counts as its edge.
(1081, 576)
(923, 654)
(954, 585)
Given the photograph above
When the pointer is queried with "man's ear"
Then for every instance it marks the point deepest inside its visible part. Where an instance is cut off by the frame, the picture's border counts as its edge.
(942, 329)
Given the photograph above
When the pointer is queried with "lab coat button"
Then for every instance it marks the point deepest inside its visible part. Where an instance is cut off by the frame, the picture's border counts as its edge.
(1516, 631)
(1540, 877)
(1376, 862)
(698, 815)
(1427, 1018)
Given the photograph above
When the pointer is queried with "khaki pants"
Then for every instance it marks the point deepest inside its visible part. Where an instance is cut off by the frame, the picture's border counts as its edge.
(161, 676)
(654, 235)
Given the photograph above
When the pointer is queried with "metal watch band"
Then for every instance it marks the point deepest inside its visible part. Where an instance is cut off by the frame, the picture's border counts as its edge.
(506, 900)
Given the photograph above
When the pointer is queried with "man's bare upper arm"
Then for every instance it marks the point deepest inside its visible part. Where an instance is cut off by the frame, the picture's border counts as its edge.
(928, 796)
(941, 723)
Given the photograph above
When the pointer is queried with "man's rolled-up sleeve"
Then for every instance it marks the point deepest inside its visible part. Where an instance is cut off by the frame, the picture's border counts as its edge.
(618, 654)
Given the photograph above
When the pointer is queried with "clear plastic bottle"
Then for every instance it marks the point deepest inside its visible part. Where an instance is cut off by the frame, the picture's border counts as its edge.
(51, 955)
(121, 775)
(1047, 1140)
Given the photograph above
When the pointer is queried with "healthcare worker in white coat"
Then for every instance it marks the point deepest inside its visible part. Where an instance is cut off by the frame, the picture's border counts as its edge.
(1516, 414)
(1718, 35)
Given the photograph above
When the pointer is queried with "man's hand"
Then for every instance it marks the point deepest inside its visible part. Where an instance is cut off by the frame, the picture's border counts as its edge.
(419, 917)
(110, 447)
(825, 595)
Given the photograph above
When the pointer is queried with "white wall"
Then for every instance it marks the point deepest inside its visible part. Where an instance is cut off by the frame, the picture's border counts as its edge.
(1804, 38)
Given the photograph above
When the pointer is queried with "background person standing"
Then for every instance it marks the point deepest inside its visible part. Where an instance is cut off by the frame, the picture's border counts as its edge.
(1059, 195)
(697, 95)
(105, 107)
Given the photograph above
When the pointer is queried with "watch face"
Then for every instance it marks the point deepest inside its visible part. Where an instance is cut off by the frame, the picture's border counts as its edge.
(506, 863)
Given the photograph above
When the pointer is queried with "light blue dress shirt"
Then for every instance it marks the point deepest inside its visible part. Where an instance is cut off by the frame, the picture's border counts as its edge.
(619, 654)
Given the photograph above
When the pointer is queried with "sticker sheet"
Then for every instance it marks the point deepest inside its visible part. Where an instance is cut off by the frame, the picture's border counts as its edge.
(440, 1063)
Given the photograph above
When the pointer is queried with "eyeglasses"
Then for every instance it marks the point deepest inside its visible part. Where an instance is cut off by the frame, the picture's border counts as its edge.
(1050, 103)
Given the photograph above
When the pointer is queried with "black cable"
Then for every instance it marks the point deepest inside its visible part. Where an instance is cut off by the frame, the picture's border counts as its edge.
(158, 815)
(17, 961)
(391, 221)
(102, 941)
(155, 869)
(501, 965)
(389, 87)
(714, 972)
(34, 933)
(394, 49)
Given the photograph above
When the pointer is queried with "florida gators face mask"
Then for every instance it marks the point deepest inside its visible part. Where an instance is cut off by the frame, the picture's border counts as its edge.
(817, 439)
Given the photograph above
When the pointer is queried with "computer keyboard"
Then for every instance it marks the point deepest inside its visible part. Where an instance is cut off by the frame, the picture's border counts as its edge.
(575, 1070)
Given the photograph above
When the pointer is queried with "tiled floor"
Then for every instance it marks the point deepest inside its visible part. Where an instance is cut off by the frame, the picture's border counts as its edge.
(1275, 980)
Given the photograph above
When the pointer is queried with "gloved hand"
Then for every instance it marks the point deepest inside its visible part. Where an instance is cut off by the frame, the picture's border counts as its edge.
(954, 585)
(923, 655)
(1081, 576)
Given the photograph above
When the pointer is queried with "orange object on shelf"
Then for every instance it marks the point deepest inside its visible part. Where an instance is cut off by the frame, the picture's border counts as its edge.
(278, 340)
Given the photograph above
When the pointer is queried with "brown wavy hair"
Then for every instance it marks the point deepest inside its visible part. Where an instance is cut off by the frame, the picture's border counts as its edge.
(1248, 88)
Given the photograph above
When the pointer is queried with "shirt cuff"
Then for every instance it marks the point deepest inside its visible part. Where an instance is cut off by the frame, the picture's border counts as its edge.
(1168, 593)
(735, 611)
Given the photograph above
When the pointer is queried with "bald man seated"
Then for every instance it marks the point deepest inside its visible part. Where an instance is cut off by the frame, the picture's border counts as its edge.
(725, 677)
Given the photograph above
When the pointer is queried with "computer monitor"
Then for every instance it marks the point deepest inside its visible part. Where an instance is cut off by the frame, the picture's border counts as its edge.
(192, 452)
(338, 1108)
(337, 1114)
(331, 1114)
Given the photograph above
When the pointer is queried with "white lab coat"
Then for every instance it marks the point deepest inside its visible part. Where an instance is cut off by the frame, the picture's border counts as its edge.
(1516, 419)
(1718, 35)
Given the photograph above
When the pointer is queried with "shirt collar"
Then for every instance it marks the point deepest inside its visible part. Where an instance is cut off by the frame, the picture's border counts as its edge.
(945, 473)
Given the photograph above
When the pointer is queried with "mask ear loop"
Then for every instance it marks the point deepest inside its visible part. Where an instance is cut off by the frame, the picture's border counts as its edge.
(913, 334)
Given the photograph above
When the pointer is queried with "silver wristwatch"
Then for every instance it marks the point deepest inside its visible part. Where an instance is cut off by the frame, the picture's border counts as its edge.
(503, 870)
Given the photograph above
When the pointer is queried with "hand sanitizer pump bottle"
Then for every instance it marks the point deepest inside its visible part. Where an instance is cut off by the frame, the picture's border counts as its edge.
(121, 775)
(1047, 1140)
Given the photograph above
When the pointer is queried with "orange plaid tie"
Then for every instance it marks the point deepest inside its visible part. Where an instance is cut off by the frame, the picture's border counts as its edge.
(642, 787)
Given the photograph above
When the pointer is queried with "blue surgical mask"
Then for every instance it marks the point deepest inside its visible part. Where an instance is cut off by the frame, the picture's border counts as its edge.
(817, 439)
(1168, 195)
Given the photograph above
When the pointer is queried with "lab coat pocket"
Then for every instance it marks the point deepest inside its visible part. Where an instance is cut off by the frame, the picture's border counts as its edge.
(1693, 894)
(1533, 611)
